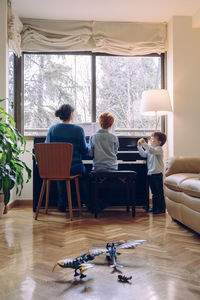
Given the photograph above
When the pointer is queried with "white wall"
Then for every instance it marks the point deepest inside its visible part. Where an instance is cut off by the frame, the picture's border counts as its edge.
(3, 52)
(184, 85)
(170, 82)
(4, 61)
(27, 192)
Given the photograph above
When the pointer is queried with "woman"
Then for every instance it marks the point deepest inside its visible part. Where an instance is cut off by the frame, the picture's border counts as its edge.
(67, 132)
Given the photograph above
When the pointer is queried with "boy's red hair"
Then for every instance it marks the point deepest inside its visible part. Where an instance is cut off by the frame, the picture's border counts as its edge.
(106, 120)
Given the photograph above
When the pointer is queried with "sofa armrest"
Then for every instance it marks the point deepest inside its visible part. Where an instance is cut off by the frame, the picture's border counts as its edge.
(182, 164)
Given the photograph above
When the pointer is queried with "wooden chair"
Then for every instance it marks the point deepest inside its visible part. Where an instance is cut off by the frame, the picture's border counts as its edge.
(54, 163)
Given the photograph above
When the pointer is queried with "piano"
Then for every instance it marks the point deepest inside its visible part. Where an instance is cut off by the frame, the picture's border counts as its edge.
(128, 159)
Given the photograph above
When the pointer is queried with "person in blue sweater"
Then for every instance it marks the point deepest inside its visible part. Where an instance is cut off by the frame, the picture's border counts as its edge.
(154, 154)
(67, 132)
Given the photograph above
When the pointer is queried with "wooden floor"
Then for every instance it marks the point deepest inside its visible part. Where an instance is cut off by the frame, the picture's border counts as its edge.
(167, 266)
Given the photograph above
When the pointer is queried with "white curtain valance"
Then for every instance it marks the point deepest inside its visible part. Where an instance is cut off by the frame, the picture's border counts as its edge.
(15, 27)
(119, 38)
(54, 35)
(122, 38)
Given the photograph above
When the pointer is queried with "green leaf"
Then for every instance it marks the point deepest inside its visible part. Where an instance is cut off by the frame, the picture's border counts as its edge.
(12, 145)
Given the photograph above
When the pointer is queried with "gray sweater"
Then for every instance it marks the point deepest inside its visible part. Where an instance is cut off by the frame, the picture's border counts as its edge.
(103, 147)
(154, 155)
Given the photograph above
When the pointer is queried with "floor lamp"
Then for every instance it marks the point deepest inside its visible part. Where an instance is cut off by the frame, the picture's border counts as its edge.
(155, 102)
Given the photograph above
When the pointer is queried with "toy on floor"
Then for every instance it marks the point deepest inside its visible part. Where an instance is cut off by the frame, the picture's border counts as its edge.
(124, 278)
(111, 250)
(78, 263)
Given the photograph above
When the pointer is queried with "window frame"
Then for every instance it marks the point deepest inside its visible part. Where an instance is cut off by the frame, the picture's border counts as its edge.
(19, 82)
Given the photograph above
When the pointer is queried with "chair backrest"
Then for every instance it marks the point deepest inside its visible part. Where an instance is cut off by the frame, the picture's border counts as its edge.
(54, 159)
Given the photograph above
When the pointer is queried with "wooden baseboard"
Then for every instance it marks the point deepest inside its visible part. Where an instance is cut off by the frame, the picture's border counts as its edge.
(29, 203)
(26, 203)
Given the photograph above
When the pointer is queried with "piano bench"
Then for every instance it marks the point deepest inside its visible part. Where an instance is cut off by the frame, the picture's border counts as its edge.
(107, 178)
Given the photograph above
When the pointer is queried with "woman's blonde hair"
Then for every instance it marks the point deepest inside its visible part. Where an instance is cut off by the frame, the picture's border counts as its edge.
(106, 120)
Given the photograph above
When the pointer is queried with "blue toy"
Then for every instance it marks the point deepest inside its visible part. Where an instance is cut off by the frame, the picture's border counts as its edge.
(111, 250)
(78, 263)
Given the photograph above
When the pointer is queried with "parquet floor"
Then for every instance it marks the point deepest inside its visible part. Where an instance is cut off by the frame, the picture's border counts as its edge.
(167, 266)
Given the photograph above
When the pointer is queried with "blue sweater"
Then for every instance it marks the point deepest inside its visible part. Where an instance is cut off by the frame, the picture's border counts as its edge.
(74, 134)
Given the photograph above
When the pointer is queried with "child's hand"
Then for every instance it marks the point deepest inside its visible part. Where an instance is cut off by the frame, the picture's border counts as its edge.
(141, 141)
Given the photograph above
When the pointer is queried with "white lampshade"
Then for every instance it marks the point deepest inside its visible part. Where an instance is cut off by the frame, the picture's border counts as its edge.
(155, 101)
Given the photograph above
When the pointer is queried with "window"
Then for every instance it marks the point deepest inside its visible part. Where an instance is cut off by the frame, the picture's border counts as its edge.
(120, 83)
(92, 83)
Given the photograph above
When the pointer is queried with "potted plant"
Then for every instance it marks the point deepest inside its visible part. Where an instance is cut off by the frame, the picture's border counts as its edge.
(12, 146)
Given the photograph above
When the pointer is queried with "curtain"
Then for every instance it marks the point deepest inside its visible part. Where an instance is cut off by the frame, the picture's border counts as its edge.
(15, 28)
(118, 38)
(126, 38)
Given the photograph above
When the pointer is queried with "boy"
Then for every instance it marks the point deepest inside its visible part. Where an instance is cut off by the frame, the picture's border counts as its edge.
(155, 166)
(104, 145)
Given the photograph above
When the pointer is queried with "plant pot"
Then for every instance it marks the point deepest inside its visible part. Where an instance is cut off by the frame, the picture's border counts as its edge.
(2, 206)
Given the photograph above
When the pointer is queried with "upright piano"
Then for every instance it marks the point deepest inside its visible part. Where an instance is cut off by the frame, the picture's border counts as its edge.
(128, 159)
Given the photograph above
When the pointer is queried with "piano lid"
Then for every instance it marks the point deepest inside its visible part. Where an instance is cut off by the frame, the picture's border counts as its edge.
(128, 143)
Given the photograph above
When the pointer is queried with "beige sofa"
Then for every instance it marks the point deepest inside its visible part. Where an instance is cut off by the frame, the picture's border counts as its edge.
(182, 190)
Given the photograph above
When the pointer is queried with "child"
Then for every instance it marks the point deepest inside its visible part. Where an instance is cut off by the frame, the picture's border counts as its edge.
(155, 166)
(104, 145)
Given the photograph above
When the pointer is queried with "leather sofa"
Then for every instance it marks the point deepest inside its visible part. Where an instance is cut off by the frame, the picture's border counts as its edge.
(182, 190)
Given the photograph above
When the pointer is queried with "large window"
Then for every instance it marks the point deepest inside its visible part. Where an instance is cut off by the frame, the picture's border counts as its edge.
(92, 84)
(120, 83)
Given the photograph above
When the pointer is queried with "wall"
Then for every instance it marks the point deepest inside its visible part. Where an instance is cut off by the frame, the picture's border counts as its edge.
(27, 192)
(4, 61)
(184, 86)
(170, 81)
(3, 52)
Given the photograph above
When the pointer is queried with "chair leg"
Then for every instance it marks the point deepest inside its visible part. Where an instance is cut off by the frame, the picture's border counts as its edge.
(128, 196)
(69, 199)
(95, 199)
(78, 194)
(133, 195)
(41, 196)
(47, 195)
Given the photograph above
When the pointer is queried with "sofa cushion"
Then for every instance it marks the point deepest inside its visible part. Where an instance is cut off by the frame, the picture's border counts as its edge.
(181, 164)
(191, 202)
(174, 181)
(176, 196)
(191, 187)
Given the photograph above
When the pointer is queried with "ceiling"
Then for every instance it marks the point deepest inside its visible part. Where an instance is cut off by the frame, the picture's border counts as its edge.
(106, 10)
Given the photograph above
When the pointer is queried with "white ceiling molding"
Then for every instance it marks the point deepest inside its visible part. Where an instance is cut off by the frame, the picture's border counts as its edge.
(104, 10)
